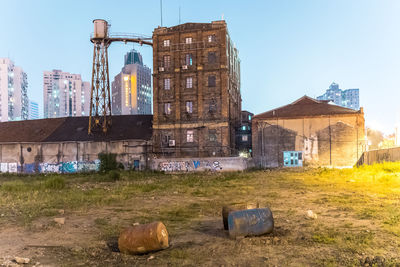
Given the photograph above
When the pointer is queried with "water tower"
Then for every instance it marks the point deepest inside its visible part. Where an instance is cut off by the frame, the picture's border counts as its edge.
(100, 100)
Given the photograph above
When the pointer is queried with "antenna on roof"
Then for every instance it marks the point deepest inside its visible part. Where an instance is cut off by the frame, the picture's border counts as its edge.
(161, 11)
(179, 15)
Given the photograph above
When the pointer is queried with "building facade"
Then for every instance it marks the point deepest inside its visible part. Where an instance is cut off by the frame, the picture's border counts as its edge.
(33, 113)
(308, 132)
(349, 98)
(243, 134)
(131, 88)
(197, 100)
(65, 95)
(13, 92)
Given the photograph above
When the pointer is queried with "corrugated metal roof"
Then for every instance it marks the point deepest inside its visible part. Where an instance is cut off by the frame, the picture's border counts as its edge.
(306, 107)
(124, 127)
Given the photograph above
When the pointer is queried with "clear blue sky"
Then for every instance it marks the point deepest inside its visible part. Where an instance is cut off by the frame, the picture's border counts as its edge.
(288, 48)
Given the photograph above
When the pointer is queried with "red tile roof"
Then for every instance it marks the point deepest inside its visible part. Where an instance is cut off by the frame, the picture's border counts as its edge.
(306, 107)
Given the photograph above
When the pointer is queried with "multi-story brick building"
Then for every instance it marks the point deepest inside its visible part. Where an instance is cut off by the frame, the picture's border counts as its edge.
(197, 101)
(243, 134)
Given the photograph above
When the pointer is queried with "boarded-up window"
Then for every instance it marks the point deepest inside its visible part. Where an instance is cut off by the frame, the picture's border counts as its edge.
(211, 81)
(212, 57)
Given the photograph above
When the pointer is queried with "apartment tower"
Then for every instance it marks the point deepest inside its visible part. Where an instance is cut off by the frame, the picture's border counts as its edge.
(13, 92)
(65, 95)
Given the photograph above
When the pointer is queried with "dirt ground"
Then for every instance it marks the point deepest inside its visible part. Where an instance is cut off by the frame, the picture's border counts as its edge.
(339, 236)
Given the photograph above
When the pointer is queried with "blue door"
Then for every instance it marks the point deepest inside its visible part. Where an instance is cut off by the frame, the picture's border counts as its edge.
(136, 164)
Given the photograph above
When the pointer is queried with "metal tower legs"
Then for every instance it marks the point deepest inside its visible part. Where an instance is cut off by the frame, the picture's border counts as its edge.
(100, 99)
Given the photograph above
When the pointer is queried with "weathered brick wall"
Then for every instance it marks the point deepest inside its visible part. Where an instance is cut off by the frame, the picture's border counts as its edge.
(325, 140)
(51, 157)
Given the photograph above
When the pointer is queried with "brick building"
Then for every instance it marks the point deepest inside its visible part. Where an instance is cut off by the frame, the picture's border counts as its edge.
(308, 131)
(196, 98)
(243, 134)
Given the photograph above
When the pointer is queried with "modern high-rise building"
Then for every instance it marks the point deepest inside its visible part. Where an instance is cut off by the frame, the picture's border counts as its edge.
(65, 94)
(131, 88)
(13, 92)
(33, 110)
(349, 98)
(196, 81)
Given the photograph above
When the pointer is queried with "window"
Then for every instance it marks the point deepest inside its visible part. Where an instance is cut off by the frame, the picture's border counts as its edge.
(212, 57)
(244, 128)
(166, 138)
(167, 61)
(189, 59)
(167, 84)
(188, 40)
(189, 82)
(244, 138)
(166, 43)
(212, 135)
(167, 108)
(189, 136)
(213, 106)
(211, 81)
(211, 38)
(189, 106)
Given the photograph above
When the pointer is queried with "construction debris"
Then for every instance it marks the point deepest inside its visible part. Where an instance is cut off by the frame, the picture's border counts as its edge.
(235, 207)
(143, 238)
(250, 222)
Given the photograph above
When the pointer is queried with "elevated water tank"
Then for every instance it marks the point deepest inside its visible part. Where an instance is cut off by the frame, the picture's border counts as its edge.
(100, 28)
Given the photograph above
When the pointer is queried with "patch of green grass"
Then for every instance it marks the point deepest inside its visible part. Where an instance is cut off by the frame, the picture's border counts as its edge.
(56, 183)
(325, 237)
(179, 254)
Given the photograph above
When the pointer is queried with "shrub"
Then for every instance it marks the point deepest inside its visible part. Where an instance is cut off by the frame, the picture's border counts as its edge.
(114, 175)
(54, 183)
(108, 162)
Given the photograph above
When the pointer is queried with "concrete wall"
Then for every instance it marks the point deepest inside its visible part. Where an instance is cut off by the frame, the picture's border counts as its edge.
(324, 140)
(201, 164)
(379, 155)
(69, 157)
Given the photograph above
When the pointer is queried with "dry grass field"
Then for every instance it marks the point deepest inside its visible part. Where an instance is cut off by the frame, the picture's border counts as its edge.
(358, 217)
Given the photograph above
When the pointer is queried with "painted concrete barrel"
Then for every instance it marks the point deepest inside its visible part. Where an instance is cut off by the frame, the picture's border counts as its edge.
(143, 238)
(250, 222)
(235, 207)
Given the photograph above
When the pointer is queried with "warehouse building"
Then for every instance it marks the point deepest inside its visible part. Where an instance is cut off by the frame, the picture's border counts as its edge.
(308, 132)
(62, 145)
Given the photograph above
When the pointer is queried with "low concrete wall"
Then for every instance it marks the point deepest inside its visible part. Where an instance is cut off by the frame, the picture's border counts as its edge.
(379, 155)
(201, 164)
(69, 157)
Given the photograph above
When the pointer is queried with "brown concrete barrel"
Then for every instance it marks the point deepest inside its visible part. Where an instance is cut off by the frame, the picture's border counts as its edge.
(236, 207)
(143, 238)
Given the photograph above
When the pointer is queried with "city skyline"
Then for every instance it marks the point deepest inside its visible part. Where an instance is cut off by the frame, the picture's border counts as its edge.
(291, 47)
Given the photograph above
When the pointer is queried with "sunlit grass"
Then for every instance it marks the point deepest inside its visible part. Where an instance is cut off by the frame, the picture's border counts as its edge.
(359, 206)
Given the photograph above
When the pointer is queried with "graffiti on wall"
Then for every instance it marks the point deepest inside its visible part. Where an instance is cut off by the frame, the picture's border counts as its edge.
(176, 166)
(11, 167)
(311, 148)
(62, 167)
